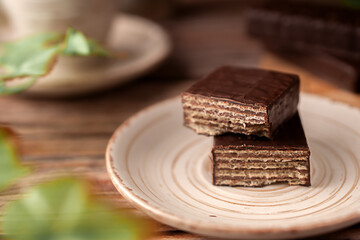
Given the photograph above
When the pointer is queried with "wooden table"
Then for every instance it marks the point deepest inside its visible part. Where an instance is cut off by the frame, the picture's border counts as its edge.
(70, 135)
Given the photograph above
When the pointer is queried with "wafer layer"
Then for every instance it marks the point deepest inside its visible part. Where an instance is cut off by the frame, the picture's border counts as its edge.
(240, 160)
(259, 182)
(210, 117)
(243, 168)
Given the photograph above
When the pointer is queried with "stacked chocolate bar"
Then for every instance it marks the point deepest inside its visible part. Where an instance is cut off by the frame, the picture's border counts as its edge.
(252, 114)
(323, 39)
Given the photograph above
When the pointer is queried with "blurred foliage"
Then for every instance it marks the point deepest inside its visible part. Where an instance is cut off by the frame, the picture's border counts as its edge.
(34, 56)
(10, 168)
(64, 209)
(76, 44)
(7, 89)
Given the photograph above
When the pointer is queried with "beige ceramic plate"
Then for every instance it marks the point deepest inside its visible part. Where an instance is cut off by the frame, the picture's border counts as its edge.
(163, 168)
(140, 45)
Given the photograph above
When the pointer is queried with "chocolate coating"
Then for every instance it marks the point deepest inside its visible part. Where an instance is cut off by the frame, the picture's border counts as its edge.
(245, 85)
(290, 136)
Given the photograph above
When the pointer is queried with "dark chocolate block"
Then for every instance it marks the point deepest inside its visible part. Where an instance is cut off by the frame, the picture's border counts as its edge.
(240, 160)
(340, 72)
(307, 26)
(241, 100)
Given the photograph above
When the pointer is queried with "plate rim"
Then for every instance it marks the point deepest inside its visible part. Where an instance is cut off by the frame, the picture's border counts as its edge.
(202, 228)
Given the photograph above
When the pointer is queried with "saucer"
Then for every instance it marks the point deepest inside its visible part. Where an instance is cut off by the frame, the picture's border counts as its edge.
(139, 46)
(164, 169)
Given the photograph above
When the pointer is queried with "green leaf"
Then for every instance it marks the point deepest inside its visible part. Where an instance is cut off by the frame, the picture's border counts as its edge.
(6, 89)
(76, 44)
(35, 56)
(30, 57)
(64, 210)
(10, 168)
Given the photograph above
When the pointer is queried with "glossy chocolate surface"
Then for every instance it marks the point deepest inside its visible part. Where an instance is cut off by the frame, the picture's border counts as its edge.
(246, 85)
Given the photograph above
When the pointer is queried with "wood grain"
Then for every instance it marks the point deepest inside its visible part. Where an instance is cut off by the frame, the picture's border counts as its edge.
(59, 137)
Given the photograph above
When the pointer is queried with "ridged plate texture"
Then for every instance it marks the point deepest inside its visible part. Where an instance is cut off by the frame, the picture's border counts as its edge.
(164, 169)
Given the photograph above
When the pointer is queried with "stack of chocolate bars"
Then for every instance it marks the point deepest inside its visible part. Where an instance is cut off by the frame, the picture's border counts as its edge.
(323, 39)
(252, 114)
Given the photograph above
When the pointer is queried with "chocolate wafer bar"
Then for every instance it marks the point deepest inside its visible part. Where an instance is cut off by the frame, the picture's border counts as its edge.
(307, 26)
(240, 160)
(241, 100)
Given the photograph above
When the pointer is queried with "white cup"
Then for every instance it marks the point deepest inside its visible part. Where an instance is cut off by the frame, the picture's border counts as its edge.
(93, 17)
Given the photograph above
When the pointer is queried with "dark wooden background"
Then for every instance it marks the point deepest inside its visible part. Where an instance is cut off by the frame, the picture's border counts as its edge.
(61, 136)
